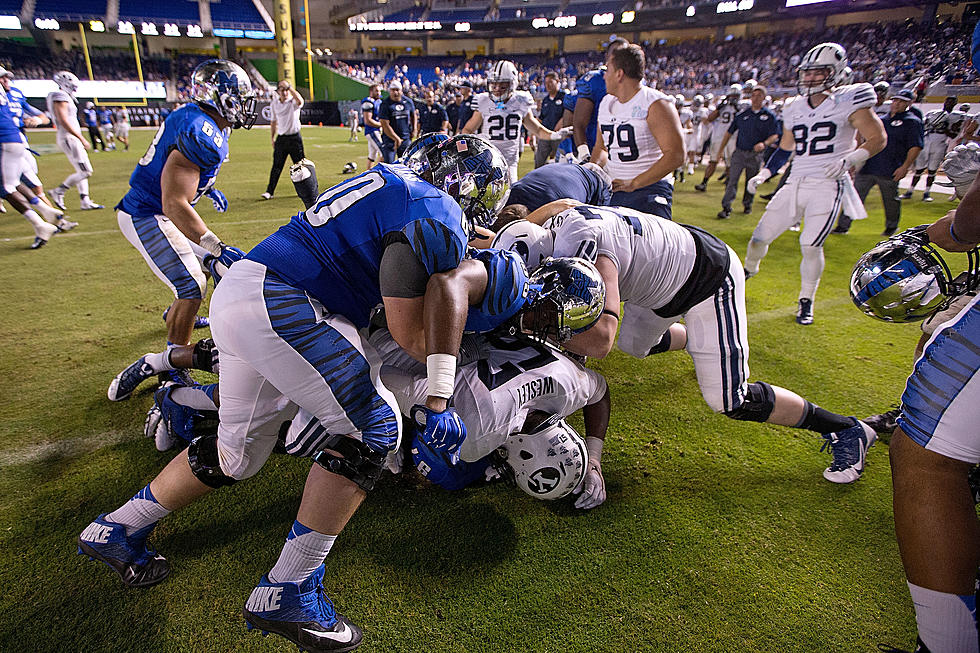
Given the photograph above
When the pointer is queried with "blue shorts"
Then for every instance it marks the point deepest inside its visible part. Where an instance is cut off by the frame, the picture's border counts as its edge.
(941, 403)
(655, 199)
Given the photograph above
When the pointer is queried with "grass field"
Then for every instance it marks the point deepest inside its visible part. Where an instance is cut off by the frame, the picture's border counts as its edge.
(717, 535)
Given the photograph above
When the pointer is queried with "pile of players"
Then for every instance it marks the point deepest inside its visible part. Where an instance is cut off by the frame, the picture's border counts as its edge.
(365, 333)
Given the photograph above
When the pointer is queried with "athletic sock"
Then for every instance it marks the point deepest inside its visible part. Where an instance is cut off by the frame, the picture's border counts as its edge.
(811, 269)
(83, 187)
(34, 219)
(198, 397)
(160, 362)
(822, 421)
(946, 622)
(304, 551)
(915, 180)
(929, 179)
(754, 254)
(139, 512)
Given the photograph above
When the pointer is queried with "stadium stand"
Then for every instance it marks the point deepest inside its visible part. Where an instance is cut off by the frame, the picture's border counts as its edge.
(71, 9)
(236, 14)
(181, 12)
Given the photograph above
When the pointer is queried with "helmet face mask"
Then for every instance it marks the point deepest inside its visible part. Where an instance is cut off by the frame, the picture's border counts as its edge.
(66, 81)
(468, 169)
(548, 463)
(569, 296)
(224, 87)
(829, 57)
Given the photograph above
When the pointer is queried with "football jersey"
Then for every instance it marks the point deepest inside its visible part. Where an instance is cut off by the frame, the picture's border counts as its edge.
(506, 293)
(122, 116)
(502, 122)
(91, 117)
(18, 106)
(726, 115)
(630, 143)
(493, 396)
(372, 106)
(333, 250)
(72, 118)
(699, 118)
(824, 134)
(9, 129)
(955, 124)
(194, 134)
(105, 116)
(655, 257)
(592, 86)
(686, 115)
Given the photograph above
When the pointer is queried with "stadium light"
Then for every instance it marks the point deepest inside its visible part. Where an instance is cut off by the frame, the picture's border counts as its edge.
(169, 29)
(603, 19)
(565, 21)
(96, 26)
(462, 27)
(691, 11)
(125, 27)
(728, 6)
(195, 32)
(628, 17)
(149, 29)
(46, 23)
(9, 22)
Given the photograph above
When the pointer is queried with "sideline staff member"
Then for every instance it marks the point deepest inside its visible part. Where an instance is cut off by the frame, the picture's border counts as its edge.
(286, 139)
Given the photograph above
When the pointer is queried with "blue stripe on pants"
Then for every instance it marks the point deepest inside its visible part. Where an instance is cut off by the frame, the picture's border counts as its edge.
(944, 369)
(342, 366)
(165, 257)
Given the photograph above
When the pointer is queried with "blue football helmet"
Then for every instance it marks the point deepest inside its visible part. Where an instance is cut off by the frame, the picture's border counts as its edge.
(905, 279)
(224, 87)
(468, 169)
(423, 142)
(567, 297)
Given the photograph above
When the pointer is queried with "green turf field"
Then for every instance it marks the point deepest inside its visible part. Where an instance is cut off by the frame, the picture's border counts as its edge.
(716, 536)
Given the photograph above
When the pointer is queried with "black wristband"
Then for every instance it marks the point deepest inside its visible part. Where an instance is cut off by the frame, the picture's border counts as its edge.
(606, 311)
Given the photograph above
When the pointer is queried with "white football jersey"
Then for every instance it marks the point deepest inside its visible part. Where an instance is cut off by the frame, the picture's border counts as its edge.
(494, 396)
(502, 124)
(936, 121)
(824, 134)
(726, 115)
(654, 256)
(61, 96)
(700, 117)
(686, 115)
(630, 143)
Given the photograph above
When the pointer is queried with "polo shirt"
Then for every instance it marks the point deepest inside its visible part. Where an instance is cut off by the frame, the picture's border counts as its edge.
(751, 127)
(904, 131)
(552, 109)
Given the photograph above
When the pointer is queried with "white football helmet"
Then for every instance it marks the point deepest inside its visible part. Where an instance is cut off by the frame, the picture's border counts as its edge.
(550, 462)
(749, 85)
(531, 242)
(679, 101)
(502, 81)
(66, 81)
(734, 92)
(826, 56)
(697, 102)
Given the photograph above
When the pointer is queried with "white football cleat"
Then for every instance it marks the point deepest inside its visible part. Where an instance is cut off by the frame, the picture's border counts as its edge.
(88, 205)
(58, 197)
(849, 447)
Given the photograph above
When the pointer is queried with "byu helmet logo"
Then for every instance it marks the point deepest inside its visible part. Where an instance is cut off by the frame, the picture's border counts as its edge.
(544, 480)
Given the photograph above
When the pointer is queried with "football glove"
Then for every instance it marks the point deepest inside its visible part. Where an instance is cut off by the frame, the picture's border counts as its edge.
(436, 467)
(561, 134)
(592, 492)
(218, 265)
(852, 159)
(758, 180)
(444, 432)
(961, 165)
(582, 153)
(218, 199)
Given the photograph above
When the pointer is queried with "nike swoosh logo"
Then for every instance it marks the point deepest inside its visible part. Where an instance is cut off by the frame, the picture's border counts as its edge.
(344, 635)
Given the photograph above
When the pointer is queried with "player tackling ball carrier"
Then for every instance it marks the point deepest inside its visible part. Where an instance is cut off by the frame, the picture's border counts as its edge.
(501, 112)
(819, 126)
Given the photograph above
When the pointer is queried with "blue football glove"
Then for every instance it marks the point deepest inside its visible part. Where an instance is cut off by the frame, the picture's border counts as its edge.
(218, 199)
(444, 432)
(218, 265)
(435, 466)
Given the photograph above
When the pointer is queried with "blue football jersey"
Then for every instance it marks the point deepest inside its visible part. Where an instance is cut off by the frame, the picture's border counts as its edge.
(105, 116)
(592, 86)
(372, 106)
(195, 135)
(91, 117)
(9, 129)
(333, 250)
(568, 104)
(19, 106)
(507, 289)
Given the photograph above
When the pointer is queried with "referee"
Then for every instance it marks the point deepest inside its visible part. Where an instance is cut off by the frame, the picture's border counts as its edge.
(755, 130)
(286, 139)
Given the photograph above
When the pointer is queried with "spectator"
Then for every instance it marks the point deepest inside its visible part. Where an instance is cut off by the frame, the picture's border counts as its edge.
(551, 114)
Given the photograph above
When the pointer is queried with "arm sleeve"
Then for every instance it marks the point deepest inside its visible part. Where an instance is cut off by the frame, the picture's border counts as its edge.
(401, 273)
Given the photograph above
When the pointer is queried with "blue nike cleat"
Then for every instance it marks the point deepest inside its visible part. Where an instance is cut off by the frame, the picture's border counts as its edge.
(127, 555)
(849, 447)
(302, 613)
(129, 379)
(200, 322)
(177, 377)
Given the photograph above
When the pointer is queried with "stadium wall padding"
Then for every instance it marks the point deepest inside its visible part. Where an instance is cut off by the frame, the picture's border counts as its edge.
(328, 85)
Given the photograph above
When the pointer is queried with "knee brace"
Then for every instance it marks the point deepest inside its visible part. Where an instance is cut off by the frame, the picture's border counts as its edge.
(205, 356)
(202, 455)
(359, 462)
(758, 404)
(662, 346)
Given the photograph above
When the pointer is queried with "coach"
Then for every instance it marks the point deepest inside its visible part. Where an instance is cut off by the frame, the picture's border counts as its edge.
(399, 122)
(888, 167)
(755, 130)
(286, 139)
(432, 116)
(551, 113)
(466, 107)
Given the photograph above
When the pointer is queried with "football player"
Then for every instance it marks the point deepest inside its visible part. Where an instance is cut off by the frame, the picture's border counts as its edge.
(286, 322)
(106, 128)
(158, 217)
(819, 126)
(699, 133)
(370, 106)
(121, 129)
(62, 106)
(720, 120)
(937, 127)
(502, 111)
(586, 183)
(642, 142)
(589, 91)
(665, 272)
